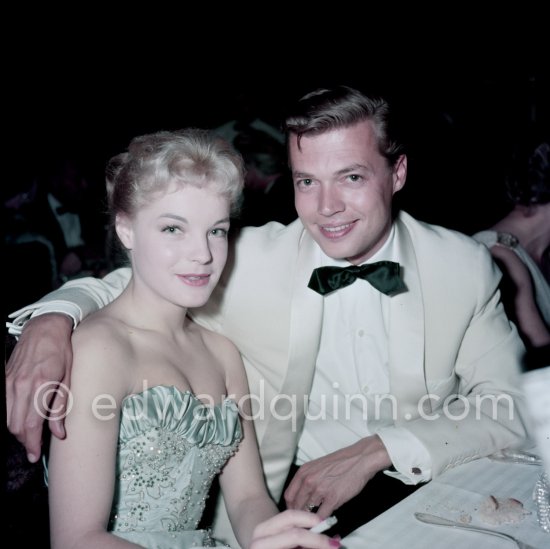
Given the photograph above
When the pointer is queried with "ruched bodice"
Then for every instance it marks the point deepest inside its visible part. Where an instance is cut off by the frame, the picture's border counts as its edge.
(171, 447)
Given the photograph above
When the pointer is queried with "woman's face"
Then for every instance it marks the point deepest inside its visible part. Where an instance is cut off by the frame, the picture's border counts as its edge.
(178, 244)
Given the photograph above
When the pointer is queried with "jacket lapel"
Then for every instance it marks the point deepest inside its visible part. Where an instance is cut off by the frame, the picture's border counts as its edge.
(287, 411)
(406, 333)
(306, 317)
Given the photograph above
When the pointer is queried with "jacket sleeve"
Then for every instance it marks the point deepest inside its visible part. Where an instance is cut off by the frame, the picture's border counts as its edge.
(76, 298)
(483, 410)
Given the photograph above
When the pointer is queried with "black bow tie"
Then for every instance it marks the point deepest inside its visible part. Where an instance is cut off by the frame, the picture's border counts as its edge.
(383, 275)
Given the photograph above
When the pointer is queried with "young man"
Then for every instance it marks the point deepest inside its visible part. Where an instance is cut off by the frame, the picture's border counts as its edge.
(411, 371)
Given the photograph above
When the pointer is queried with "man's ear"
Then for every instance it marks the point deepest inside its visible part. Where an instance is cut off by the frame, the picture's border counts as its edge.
(400, 173)
(123, 227)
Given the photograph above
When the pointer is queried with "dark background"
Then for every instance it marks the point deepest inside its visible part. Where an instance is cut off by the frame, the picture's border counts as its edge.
(469, 87)
(462, 111)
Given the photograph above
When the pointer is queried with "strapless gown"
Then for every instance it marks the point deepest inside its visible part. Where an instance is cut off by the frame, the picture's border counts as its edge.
(171, 447)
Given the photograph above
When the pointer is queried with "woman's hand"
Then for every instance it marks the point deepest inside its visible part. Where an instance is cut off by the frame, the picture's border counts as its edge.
(291, 529)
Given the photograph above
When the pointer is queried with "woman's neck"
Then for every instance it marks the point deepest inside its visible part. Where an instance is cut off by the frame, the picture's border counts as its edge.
(147, 311)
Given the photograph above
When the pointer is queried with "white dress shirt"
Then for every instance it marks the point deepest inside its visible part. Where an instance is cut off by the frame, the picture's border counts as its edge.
(350, 396)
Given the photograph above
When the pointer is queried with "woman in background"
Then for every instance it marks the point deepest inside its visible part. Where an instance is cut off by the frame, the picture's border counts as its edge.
(520, 244)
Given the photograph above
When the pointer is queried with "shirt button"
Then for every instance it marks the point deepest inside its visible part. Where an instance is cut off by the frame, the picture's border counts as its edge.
(366, 389)
(416, 471)
(361, 333)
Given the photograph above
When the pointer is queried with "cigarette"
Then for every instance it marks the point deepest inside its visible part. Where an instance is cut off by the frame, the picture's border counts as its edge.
(325, 525)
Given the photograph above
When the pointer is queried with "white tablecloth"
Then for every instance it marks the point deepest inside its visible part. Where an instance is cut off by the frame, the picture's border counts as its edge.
(455, 494)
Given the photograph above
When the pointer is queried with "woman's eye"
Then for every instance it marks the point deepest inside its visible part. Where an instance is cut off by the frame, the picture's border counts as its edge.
(170, 229)
(219, 232)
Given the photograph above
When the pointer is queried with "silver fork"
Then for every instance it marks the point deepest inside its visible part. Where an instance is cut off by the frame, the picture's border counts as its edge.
(439, 521)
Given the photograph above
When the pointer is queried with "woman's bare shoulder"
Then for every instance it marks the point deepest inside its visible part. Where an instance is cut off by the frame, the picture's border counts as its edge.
(217, 343)
(101, 345)
(100, 329)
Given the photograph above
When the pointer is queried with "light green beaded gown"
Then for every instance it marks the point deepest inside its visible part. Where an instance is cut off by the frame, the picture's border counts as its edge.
(171, 447)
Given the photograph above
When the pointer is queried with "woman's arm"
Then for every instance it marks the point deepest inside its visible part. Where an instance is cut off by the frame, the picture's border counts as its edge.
(254, 516)
(82, 466)
(526, 313)
(242, 483)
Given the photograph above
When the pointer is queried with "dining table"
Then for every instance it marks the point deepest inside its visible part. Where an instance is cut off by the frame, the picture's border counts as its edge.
(458, 494)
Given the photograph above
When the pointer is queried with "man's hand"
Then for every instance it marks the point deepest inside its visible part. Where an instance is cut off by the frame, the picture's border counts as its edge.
(330, 481)
(38, 380)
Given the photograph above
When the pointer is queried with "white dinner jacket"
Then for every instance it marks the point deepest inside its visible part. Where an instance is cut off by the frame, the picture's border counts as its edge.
(447, 332)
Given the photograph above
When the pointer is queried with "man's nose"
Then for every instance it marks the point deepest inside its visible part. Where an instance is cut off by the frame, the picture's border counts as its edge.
(330, 201)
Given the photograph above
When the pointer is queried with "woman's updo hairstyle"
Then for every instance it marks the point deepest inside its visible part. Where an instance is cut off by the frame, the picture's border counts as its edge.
(156, 162)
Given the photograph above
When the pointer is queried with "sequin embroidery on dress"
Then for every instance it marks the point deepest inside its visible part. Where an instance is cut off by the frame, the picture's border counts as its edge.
(171, 447)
